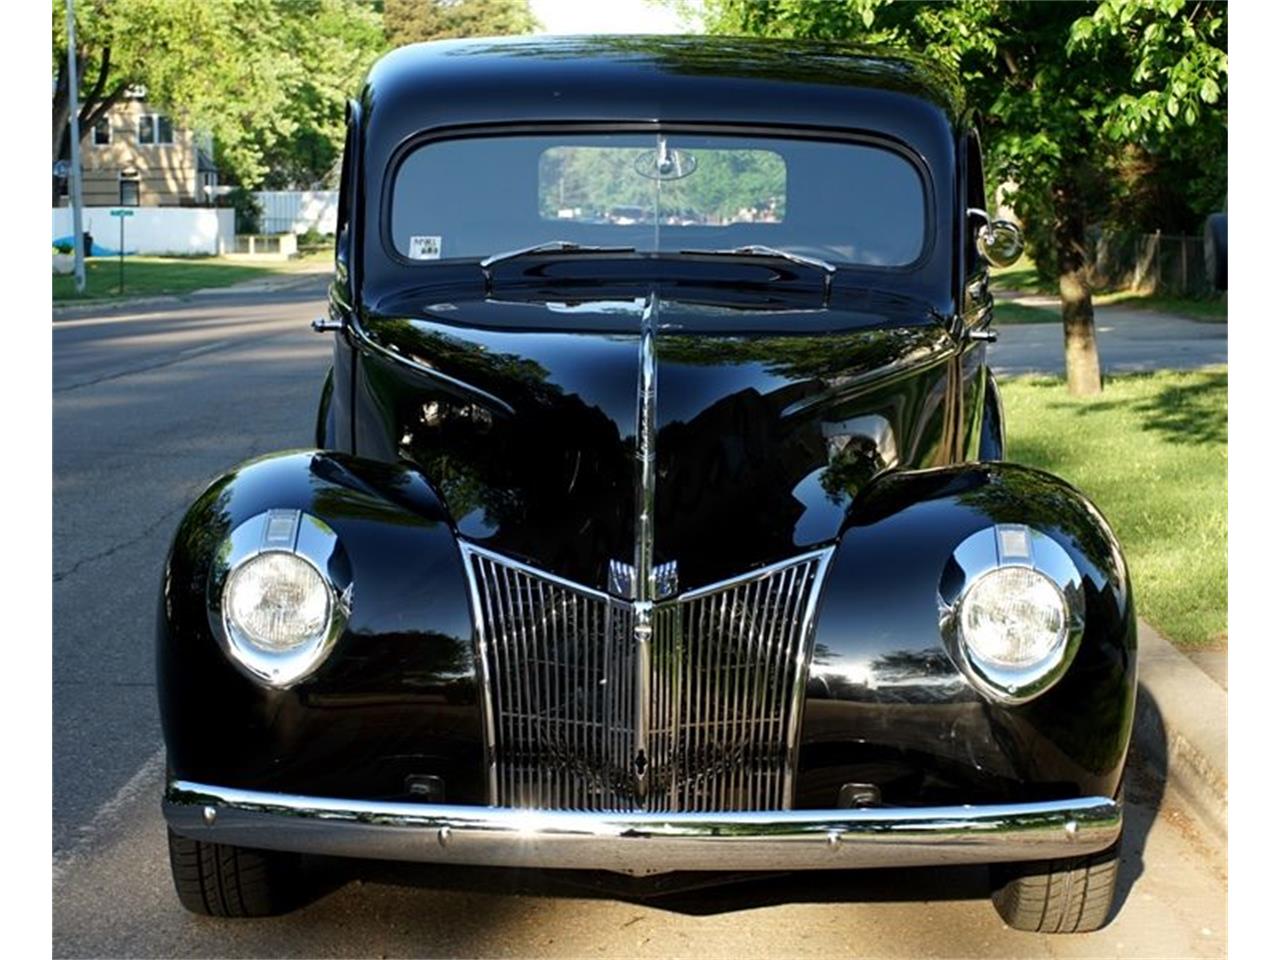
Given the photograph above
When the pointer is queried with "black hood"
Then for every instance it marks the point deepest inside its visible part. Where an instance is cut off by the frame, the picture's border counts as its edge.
(768, 416)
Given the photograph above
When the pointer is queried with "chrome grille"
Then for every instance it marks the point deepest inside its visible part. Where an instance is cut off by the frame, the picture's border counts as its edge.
(725, 671)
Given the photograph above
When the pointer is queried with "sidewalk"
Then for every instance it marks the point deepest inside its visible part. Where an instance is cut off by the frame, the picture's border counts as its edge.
(1180, 730)
(291, 280)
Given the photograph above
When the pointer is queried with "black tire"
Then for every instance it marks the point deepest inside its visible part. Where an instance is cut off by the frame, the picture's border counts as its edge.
(1215, 250)
(217, 880)
(1057, 896)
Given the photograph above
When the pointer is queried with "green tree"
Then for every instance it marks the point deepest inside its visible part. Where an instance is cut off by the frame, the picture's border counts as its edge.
(1062, 93)
(268, 80)
(333, 44)
(413, 21)
(120, 46)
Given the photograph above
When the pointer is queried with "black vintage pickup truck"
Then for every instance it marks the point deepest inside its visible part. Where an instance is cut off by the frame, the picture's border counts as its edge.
(657, 518)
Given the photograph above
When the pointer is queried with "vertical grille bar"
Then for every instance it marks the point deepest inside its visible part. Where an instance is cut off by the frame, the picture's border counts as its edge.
(722, 683)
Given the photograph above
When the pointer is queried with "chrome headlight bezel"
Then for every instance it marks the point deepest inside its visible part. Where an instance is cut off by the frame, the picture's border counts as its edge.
(1002, 547)
(307, 539)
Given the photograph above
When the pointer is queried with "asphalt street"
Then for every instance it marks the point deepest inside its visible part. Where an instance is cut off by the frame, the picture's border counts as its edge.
(149, 405)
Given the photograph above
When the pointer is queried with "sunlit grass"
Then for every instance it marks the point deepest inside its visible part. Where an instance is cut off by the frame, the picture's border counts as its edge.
(1010, 313)
(1152, 454)
(157, 276)
(1021, 277)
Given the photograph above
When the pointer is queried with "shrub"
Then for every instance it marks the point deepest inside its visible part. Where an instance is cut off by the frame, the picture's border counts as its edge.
(248, 210)
(313, 239)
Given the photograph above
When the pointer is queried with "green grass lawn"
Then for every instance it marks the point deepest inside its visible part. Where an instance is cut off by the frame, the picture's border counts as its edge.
(1007, 313)
(1151, 452)
(155, 276)
(1021, 278)
(1211, 309)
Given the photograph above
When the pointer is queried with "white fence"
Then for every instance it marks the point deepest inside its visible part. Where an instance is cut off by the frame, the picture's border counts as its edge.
(154, 230)
(297, 211)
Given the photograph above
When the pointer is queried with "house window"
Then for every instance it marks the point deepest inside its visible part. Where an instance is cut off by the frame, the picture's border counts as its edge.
(154, 128)
(102, 133)
(128, 192)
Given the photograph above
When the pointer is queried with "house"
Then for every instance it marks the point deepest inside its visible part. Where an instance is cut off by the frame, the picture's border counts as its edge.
(137, 156)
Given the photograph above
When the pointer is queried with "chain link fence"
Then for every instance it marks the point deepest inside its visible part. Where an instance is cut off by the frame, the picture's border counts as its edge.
(1166, 264)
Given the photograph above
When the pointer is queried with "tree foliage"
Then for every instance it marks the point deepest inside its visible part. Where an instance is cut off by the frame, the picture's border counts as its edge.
(1045, 79)
(1073, 99)
(267, 80)
(414, 21)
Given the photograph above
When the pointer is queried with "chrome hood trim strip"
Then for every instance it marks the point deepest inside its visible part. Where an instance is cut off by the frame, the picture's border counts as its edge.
(644, 583)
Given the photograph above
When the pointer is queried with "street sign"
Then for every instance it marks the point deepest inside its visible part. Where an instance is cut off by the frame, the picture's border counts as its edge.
(121, 212)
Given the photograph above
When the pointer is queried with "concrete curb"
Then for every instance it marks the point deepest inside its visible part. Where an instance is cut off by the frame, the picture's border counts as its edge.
(266, 285)
(1181, 727)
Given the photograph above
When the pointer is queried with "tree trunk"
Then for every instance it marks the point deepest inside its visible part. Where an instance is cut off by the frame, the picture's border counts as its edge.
(61, 116)
(1084, 377)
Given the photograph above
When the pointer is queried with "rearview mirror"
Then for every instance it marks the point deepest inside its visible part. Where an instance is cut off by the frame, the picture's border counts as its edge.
(999, 242)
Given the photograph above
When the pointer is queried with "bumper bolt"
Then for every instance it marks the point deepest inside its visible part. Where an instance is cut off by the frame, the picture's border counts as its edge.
(210, 815)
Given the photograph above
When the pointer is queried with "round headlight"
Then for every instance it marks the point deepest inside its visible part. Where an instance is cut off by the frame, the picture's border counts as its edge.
(278, 602)
(1012, 608)
(1013, 618)
(279, 595)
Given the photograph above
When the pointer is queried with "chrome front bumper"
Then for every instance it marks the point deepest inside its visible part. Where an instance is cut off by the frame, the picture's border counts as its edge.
(644, 843)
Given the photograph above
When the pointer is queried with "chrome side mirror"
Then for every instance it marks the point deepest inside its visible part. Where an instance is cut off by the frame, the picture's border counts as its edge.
(999, 242)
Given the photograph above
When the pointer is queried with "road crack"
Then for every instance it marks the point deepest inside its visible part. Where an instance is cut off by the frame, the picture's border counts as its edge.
(179, 357)
(60, 575)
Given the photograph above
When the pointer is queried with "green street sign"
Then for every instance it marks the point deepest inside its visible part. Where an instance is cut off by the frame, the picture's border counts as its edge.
(122, 213)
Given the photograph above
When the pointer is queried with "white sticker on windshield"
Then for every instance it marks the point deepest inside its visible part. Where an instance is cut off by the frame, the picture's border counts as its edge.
(424, 248)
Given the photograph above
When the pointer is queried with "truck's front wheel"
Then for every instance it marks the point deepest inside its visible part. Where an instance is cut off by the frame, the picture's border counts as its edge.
(1057, 896)
(218, 880)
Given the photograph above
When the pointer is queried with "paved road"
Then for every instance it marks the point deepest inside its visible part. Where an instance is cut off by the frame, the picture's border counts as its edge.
(147, 408)
(1128, 340)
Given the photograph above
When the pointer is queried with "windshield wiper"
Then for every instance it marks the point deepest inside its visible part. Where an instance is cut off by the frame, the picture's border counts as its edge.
(549, 246)
(761, 250)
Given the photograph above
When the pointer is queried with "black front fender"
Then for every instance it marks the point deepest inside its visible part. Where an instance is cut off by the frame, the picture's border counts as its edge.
(887, 705)
(395, 699)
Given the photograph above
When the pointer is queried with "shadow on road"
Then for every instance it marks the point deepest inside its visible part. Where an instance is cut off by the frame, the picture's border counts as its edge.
(1144, 787)
(690, 894)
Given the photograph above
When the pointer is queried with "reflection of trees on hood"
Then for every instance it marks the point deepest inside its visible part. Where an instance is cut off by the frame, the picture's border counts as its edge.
(851, 469)
(205, 533)
(549, 464)
(465, 359)
(912, 666)
(825, 357)
(1042, 500)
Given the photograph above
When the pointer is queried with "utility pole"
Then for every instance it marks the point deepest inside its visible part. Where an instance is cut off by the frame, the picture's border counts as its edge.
(77, 224)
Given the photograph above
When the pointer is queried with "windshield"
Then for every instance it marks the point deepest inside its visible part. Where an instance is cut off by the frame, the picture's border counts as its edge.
(848, 203)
